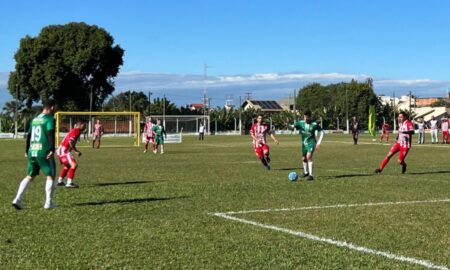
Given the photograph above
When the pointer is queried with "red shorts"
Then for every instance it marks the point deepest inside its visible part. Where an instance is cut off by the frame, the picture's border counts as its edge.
(66, 159)
(259, 151)
(445, 133)
(149, 139)
(403, 151)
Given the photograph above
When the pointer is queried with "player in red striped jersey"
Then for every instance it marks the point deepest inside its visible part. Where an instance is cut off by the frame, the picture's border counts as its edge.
(258, 132)
(97, 134)
(385, 131)
(402, 145)
(65, 157)
(444, 128)
(149, 135)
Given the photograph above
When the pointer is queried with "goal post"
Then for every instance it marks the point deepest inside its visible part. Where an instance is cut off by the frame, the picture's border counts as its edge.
(178, 125)
(120, 128)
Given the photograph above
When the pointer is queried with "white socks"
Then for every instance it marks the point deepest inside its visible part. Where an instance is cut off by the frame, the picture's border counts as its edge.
(305, 167)
(22, 189)
(49, 187)
(310, 168)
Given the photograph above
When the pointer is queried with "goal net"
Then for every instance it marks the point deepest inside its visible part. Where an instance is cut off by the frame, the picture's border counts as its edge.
(119, 128)
(187, 124)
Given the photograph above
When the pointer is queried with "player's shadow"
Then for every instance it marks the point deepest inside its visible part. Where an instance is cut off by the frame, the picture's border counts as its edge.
(138, 182)
(286, 169)
(128, 201)
(349, 175)
(435, 172)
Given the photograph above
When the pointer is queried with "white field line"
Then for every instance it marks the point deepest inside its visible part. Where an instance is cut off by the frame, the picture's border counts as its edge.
(351, 246)
(334, 206)
(389, 144)
(343, 244)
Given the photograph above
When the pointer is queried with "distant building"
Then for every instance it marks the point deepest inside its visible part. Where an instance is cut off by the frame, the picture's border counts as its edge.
(427, 112)
(196, 107)
(287, 104)
(421, 107)
(263, 105)
(423, 102)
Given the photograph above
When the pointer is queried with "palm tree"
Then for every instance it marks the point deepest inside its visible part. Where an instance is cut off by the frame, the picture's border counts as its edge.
(10, 108)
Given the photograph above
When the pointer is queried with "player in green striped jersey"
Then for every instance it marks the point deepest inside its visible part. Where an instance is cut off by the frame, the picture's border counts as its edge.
(160, 133)
(308, 129)
(39, 150)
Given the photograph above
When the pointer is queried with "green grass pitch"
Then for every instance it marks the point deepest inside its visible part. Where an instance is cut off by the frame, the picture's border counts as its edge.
(146, 211)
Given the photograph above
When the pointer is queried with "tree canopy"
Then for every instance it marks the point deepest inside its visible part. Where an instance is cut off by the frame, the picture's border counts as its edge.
(66, 62)
(140, 103)
(331, 102)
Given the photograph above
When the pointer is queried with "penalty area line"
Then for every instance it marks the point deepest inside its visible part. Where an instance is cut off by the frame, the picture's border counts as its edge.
(388, 144)
(342, 244)
(335, 206)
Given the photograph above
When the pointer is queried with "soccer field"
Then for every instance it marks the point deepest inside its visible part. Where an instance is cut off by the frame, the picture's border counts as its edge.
(211, 205)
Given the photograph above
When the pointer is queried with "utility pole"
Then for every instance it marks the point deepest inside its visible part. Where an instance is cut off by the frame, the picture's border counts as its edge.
(164, 111)
(130, 122)
(205, 99)
(228, 101)
(393, 110)
(289, 102)
(16, 111)
(295, 99)
(240, 116)
(149, 102)
(129, 99)
(248, 96)
(89, 80)
(346, 109)
(410, 116)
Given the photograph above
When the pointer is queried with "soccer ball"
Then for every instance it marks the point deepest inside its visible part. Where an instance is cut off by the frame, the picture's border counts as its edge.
(292, 176)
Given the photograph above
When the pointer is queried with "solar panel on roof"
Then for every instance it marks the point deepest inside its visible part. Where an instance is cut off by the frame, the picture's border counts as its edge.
(267, 104)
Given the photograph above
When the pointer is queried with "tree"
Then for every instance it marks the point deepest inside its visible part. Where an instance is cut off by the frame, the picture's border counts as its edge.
(162, 106)
(24, 116)
(331, 102)
(66, 62)
(121, 102)
(225, 118)
(10, 107)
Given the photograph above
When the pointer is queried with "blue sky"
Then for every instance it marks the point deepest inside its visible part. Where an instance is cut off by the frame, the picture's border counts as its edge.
(268, 48)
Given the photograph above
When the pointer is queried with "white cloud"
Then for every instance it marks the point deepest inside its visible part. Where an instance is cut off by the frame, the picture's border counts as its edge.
(264, 85)
(188, 88)
(417, 82)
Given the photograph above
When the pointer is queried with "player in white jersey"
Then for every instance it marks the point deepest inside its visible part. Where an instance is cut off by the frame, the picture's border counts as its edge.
(444, 128)
(434, 130)
(258, 132)
(149, 135)
(402, 144)
(97, 134)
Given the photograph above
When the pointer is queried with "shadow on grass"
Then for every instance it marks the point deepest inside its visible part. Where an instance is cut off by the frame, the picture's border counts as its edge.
(287, 169)
(122, 183)
(435, 172)
(126, 201)
(349, 175)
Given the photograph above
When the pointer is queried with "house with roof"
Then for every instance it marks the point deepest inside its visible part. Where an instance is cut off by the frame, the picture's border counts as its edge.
(196, 106)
